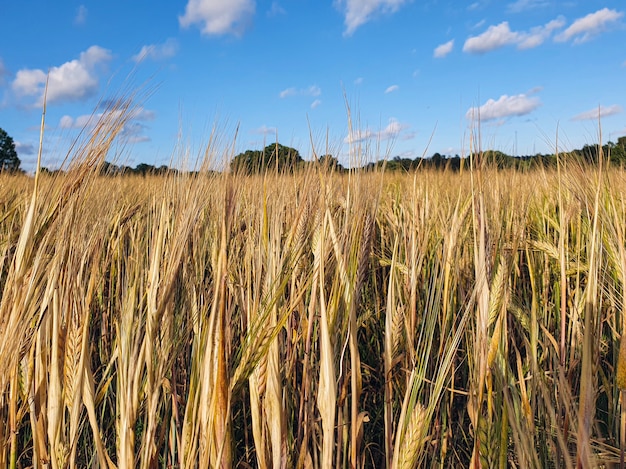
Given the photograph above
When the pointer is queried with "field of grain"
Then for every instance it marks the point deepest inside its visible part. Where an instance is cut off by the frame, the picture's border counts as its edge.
(312, 320)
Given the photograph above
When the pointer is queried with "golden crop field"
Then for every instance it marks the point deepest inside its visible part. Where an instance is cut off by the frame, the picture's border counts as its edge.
(313, 319)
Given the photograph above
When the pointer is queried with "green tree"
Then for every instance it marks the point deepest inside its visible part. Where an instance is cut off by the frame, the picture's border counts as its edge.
(330, 162)
(8, 156)
(618, 150)
(274, 156)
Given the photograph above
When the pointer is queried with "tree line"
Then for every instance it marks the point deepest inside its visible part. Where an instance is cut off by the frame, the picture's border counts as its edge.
(281, 158)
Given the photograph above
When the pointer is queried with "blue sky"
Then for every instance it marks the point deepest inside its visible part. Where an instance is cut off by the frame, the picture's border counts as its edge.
(414, 74)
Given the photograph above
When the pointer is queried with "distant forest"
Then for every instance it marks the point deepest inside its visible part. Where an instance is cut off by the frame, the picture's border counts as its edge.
(277, 157)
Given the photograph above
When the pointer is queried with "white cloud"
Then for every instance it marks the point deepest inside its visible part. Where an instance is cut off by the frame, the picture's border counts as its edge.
(312, 90)
(157, 51)
(599, 112)
(391, 89)
(29, 82)
(588, 26)
(494, 38)
(73, 81)
(68, 122)
(538, 35)
(443, 49)
(394, 129)
(218, 17)
(316, 103)
(81, 15)
(505, 106)
(524, 5)
(359, 80)
(359, 12)
(501, 35)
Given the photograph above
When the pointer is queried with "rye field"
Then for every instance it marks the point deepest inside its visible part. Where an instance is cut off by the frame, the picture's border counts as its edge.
(312, 319)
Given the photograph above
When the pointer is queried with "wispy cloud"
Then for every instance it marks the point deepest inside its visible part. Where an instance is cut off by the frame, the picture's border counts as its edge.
(72, 81)
(276, 10)
(589, 26)
(265, 130)
(359, 12)
(81, 15)
(359, 80)
(157, 51)
(391, 89)
(394, 130)
(218, 17)
(480, 24)
(443, 49)
(524, 5)
(599, 112)
(501, 35)
(288, 92)
(477, 5)
(316, 103)
(505, 106)
(312, 90)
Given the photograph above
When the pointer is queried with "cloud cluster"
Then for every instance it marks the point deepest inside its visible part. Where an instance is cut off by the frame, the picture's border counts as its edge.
(598, 113)
(134, 126)
(505, 106)
(394, 130)
(501, 35)
(359, 12)
(157, 51)
(218, 17)
(72, 81)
